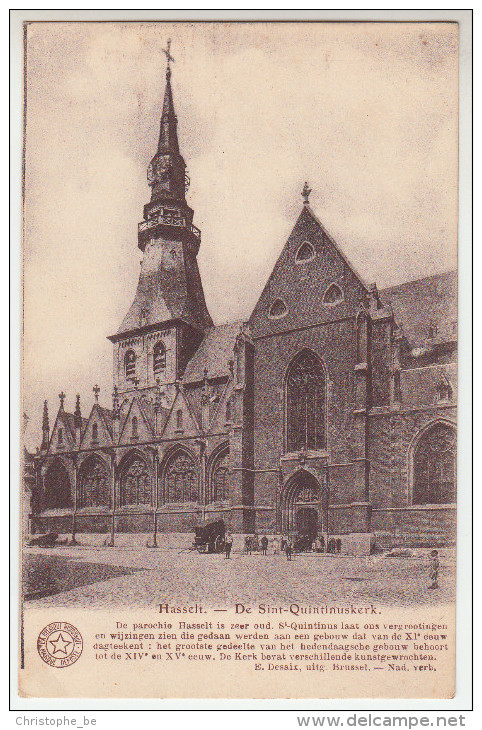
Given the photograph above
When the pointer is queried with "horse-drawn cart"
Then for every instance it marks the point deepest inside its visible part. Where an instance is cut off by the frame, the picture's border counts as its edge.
(210, 537)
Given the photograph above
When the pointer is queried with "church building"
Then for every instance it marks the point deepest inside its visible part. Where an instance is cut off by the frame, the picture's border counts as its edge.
(331, 410)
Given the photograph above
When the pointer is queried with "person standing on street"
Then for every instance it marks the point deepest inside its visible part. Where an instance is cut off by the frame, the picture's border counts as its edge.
(264, 544)
(228, 544)
(434, 568)
(289, 548)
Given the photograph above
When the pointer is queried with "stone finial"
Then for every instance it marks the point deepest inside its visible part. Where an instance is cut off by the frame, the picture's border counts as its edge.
(62, 398)
(45, 427)
(305, 194)
(77, 412)
(374, 297)
(45, 417)
(96, 391)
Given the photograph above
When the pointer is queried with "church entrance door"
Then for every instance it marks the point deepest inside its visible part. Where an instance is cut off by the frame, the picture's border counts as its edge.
(304, 508)
(307, 523)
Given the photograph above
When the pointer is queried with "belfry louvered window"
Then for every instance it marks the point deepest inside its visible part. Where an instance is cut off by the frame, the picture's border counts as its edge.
(305, 403)
(159, 358)
(130, 363)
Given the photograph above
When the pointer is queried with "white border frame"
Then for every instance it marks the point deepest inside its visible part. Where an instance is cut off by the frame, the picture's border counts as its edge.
(463, 698)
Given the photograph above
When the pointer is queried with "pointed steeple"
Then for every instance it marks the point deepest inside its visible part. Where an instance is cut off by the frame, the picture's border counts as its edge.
(168, 141)
(166, 173)
(169, 284)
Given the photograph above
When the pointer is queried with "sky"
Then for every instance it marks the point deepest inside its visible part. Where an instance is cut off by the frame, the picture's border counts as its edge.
(365, 112)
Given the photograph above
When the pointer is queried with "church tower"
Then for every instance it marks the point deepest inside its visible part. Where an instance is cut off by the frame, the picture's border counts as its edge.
(168, 317)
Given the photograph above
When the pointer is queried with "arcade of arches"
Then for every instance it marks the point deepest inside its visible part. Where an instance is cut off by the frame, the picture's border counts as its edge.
(179, 482)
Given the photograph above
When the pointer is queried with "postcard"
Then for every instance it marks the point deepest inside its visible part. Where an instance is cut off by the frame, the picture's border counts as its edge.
(239, 360)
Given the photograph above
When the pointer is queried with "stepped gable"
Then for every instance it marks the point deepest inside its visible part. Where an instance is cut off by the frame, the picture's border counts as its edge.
(426, 308)
(214, 353)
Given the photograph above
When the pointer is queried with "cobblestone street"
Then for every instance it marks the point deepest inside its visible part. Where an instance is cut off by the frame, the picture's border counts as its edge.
(116, 577)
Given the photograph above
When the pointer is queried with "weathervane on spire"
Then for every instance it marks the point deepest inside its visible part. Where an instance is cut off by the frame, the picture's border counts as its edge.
(170, 58)
(305, 194)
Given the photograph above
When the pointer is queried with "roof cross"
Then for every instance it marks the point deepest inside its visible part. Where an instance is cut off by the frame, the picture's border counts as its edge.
(62, 398)
(96, 390)
(170, 58)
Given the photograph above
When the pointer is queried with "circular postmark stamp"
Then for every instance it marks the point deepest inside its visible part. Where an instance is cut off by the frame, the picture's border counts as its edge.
(59, 644)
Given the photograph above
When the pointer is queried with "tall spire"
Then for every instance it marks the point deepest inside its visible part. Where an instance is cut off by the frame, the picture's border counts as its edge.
(166, 173)
(170, 286)
(168, 141)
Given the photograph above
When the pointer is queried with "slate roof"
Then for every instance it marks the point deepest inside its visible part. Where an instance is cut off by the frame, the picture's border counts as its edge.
(424, 305)
(214, 353)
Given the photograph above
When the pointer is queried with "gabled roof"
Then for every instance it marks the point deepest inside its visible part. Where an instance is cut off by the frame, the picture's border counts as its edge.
(214, 353)
(107, 416)
(338, 249)
(147, 414)
(300, 285)
(426, 308)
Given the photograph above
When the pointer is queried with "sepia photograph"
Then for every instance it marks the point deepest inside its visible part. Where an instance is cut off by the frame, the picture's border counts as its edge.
(239, 359)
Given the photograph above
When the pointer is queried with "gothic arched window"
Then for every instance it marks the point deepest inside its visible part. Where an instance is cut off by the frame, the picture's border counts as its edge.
(333, 295)
(94, 487)
(278, 309)
(181, 479)
(57, 487)
(135, 484)
(95, 432)
(434, 466)
(305, 403)
(135, 433)
(130, 363)
(159, 358)
(219, 478)
(306, 252)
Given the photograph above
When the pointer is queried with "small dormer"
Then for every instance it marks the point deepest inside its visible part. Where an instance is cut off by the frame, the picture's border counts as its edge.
(444, 390)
